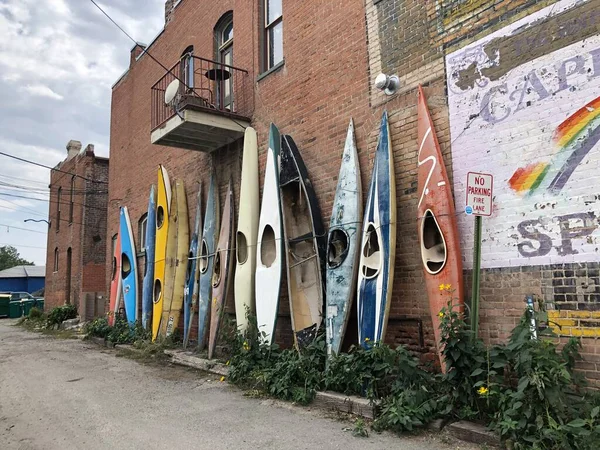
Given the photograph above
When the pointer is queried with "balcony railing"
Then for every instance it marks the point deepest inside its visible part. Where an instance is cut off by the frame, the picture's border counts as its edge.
(203, 85)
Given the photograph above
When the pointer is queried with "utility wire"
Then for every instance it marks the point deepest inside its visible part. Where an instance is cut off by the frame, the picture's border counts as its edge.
(51, 168)
(48, 200)
(22, 229)
(3, 244)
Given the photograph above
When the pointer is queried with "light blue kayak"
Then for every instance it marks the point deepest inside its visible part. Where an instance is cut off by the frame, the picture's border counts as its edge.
(206, 261)
(128, 268)
(148, 281)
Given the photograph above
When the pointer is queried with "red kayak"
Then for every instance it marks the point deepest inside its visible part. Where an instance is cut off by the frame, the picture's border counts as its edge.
(437, 229)
(116, 282)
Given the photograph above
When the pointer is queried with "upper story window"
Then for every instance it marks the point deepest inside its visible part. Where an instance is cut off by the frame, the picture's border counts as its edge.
(224, 40)
(71, 199)
(142, 224)
(55, 260)
(187, 67)
(273, 33)
(58, 201)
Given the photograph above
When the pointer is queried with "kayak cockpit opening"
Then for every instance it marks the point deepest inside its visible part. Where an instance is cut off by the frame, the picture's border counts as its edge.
(241, 248)
(157, 291)
(216, 278)
(125, 266)
(371, 254)
(160, 216)
(433, 244)
(268, 248)
(203, 257)
(337, 248)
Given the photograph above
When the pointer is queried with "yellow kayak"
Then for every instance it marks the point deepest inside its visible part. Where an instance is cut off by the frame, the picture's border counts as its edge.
(163, 203)
(178, 241)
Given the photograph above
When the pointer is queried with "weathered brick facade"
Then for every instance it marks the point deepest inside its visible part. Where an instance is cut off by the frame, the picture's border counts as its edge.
(333, 51)
(83, 232)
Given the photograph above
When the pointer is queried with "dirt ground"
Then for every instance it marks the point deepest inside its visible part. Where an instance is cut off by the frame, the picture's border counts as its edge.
(71, 394)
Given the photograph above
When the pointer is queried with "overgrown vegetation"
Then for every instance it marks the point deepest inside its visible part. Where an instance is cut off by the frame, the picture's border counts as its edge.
(118, 333)
(38, 321)
(61, 313)
(526, 390)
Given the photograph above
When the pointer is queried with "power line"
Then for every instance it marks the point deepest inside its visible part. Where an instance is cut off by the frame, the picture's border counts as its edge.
(51, 168)
(137, 44)
(20, 245)
(23, 229)
(48, 200)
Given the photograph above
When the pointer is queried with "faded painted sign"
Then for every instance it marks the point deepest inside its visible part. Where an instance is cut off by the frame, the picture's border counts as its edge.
(534, 124)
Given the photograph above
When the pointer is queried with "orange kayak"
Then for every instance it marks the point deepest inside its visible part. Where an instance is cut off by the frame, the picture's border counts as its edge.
(436, 220)
(116, 282)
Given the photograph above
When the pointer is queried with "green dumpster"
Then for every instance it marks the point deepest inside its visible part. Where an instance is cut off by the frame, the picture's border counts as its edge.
(4, 305)
(15, 310)
(27, 305)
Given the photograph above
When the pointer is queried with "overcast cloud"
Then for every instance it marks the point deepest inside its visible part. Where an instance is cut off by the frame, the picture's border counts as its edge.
(58, 61)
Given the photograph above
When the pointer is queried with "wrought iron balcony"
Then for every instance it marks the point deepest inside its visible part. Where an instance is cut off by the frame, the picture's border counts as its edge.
(200, 104)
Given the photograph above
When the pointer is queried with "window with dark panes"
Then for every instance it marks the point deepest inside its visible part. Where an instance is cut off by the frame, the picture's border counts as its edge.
(273, 33)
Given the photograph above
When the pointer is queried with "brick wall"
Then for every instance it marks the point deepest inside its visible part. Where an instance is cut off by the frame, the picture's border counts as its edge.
(85, 235)
(332, 55)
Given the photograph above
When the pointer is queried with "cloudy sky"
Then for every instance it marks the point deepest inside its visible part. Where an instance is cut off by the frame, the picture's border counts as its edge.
(58, 61)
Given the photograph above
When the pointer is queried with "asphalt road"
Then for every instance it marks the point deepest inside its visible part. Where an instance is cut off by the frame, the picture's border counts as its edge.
(69, 394)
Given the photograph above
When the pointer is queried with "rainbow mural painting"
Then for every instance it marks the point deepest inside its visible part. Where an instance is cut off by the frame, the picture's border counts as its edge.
(574, 138)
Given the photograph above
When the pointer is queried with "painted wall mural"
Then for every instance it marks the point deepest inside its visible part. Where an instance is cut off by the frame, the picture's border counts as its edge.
(525, 106)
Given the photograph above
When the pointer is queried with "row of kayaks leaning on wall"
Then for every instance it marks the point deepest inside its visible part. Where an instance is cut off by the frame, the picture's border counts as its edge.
(188, 273)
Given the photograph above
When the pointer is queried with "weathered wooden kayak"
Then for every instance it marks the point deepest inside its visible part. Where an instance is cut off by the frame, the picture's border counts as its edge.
(190, 294)
(148, 281)
(129, 268)
(269, 254)
(342, 245)
(206, 261)
(437, 229)
(305, 242)
(378, 245)
(116, 283)
(247, 230)
(178, 242)
(223, 266)
(163, 204)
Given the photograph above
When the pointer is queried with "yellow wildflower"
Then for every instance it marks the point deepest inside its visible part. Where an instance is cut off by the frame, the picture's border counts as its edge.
(448, 287)
(367, 340)
(440, 315)
(246, 346)
(222, 379)
(442, 287)
(482, 390)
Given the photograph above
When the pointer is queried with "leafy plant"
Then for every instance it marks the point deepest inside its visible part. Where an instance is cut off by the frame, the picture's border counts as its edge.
(360, 428)
(61, 313)
(35, 314)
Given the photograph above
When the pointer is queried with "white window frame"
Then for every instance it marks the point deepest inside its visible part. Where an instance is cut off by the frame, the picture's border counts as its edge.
(142, 225)
(268, 26)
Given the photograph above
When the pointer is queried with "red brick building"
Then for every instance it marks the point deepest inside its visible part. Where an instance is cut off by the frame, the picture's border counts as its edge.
(76, 257)
(310, 66)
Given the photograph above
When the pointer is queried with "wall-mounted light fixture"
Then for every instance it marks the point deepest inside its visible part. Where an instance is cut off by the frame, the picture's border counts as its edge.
(387, 83)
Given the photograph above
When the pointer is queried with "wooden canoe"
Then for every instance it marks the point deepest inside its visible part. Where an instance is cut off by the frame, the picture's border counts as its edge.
(269, 254)
(190, 299)
(207, 249)
(305, 242)
(342, 245)
(247, 230)
(223, 266)
(116, 282)
(163, 204)
(149, 245)
(378, 245)
(178, 242)
(129, 268)
(436, 220)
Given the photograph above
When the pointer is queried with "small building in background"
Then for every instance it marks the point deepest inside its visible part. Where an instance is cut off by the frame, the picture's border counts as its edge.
(22, 279)
(76, 256)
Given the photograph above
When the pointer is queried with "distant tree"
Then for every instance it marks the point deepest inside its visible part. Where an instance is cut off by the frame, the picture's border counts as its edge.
(9, 257)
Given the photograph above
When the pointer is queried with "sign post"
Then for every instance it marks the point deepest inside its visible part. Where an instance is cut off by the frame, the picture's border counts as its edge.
(479, 203)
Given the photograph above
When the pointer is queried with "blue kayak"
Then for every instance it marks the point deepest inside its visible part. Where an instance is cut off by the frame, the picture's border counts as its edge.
(128, 268)
(150, 245)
